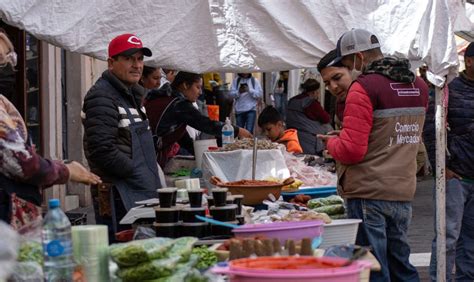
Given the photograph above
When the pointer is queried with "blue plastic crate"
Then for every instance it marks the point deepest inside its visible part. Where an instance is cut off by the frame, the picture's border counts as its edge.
(312, 192)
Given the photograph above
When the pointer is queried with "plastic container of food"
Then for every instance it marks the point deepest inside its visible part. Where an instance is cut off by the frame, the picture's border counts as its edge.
(225, 213)
(238, 201)
(195, 197)
(194, 229)
(167, 215)
(189, 214)
(218, 230)
(167, 197)
(220, 196)
(170, 230)
(282, 269)
(295, 230)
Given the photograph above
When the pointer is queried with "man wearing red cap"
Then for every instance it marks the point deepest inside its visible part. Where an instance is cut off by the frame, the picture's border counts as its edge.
(118, 142)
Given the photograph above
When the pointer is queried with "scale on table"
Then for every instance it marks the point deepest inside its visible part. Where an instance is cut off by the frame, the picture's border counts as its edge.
(144, 212)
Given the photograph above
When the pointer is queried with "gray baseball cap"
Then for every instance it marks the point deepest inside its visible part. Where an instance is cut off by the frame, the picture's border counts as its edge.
(353, 41)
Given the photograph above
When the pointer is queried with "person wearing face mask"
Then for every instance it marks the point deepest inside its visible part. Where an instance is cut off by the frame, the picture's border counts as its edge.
(377, 148)
(337, 79)
(118, 143)
(23, 173)
(307, 116)
(169, 116)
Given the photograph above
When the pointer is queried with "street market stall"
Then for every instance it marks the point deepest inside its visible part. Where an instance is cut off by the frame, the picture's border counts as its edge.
(258, 36)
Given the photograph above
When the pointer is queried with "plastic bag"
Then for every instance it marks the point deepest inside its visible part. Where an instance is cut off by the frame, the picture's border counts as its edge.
(149, 270)
(184, 272)
(135, 252)
(30, 271)
(330, 210)
(8, 249)
(143, 232)
(182, 248)
(331, 200)
(30, 253)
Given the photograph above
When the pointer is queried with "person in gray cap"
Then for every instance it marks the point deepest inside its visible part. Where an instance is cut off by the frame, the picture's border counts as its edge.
(377, 147)
(459, 174)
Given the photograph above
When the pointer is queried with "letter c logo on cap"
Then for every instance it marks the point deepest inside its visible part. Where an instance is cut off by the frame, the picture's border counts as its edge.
(134, 40)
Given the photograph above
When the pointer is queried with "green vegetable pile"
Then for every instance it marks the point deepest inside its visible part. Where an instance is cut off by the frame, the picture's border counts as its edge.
(332, 206)
(31, 251)
(157, 260)
(207, 258)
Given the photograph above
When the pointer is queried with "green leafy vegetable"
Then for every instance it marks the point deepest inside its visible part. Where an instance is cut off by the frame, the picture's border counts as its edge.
(182, 247)
(328, 201)
(331, 210)
(31, 251)
(148, 270)
(207, 258)
(135, 252)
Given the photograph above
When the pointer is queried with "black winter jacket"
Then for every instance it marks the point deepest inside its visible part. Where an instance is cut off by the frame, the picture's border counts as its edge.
(107, 140)
(461, 123)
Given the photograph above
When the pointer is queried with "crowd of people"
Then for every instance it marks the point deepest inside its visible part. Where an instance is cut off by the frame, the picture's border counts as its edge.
(136, 118)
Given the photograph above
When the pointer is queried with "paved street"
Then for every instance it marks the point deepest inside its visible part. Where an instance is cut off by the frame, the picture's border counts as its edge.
(421, 230)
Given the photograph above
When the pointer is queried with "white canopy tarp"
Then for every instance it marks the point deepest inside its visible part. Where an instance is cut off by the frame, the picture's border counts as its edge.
(243, 35)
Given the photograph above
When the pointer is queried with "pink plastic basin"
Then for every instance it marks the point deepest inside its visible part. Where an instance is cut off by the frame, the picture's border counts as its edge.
(295, 230)
(255, 271)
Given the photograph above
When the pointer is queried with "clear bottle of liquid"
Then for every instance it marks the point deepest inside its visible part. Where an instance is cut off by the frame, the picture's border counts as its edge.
(227, 132)
(57, 244)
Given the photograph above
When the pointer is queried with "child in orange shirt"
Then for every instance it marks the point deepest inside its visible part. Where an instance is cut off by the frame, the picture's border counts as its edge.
(271, 123)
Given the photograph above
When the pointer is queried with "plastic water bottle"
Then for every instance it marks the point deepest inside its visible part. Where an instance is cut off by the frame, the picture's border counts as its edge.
(57, 244)
(227, 132)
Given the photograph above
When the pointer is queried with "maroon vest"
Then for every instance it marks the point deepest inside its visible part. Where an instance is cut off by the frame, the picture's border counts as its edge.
(385, 93)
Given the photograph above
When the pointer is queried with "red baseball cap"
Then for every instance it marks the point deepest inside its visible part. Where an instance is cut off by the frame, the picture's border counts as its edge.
(127, 44)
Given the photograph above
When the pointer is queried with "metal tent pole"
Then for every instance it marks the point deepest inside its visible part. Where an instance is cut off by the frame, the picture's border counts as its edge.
(440, 122)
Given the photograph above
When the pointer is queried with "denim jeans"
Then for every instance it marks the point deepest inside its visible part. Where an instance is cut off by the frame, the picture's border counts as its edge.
(459, 232)
(384, 227)
(281, 103)
(246, 120)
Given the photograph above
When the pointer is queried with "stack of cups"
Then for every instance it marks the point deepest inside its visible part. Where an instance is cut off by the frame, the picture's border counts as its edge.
(90, 244)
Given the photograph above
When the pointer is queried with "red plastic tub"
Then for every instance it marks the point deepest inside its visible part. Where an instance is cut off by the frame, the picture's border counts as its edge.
(295, 269)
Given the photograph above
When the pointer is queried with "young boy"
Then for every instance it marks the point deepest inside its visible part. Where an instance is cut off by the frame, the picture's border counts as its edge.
(271, 123)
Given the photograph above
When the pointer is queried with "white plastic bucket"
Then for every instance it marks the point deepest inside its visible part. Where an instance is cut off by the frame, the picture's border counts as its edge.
(200, 146)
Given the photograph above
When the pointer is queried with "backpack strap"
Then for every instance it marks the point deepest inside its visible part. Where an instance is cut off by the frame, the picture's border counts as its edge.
(158, 139)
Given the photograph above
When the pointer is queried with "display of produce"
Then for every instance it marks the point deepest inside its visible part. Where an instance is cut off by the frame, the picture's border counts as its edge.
(331, 200)
(148, 270)
(174, 262)
(31, 251)
(135, 252)
(332, 206)
(206, 257)
(182, 248)
(331, 209)
(247, 144)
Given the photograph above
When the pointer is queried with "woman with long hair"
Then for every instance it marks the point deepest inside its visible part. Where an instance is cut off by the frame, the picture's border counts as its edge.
(169, 115)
